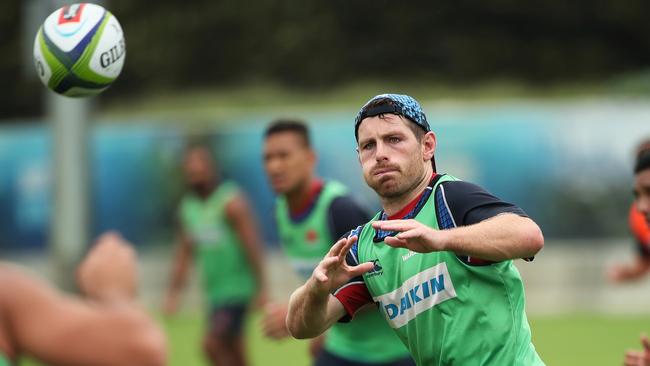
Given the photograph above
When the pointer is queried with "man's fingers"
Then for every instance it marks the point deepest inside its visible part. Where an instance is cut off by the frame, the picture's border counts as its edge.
(328, 262)
(320, 276)
(346, 248)
(395, 242)
(361, 269)
(409, 234)
(394, 225)
(323, 268)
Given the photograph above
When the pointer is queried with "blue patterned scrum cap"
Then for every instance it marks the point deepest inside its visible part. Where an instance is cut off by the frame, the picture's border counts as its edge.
(402, 105)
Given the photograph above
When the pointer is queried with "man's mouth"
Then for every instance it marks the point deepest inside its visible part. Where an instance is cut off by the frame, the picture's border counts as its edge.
(382, 171)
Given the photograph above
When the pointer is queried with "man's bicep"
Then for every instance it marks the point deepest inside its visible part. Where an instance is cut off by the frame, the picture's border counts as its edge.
(485, 212)
(470, 204)
(461, 203)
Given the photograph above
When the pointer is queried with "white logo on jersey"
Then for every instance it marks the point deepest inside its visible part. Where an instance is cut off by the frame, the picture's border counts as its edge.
(408, 255)
(416, 295)
(207, 236)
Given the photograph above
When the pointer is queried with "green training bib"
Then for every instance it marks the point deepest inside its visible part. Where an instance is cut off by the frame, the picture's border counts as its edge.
(447, 312)
(226, 275)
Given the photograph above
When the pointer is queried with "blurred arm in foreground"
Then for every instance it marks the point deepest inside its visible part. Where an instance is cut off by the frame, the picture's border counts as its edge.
(107, 328)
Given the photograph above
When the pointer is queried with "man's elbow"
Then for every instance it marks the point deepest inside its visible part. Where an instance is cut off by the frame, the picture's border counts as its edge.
(298, 330)
(303, 334)
(534, 238)
(295, 330)
(298, 334)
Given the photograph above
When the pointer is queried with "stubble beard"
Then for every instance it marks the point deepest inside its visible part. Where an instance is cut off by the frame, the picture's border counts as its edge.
(393, 188)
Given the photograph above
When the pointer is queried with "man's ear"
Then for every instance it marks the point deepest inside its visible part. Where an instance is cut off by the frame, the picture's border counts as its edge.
(313, 157)
(428, 146)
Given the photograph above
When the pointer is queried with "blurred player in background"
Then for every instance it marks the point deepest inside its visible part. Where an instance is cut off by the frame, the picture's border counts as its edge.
(311, 214)
(218, 228)
(640, 230)
(107, 328)
(437, 259)
(642, 204)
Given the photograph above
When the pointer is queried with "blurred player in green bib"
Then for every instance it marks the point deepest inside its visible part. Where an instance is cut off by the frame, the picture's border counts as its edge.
(217, 227)
(310, 215)
(437, 260)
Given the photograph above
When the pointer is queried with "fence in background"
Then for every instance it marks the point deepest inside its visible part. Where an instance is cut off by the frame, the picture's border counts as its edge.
(568, 164)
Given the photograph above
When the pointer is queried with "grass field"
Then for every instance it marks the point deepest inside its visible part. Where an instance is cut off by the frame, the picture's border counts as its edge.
(571, 340)
(577, 339)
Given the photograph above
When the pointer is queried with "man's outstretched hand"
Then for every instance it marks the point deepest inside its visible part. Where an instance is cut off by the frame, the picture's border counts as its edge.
(333, 272)
(411, 234)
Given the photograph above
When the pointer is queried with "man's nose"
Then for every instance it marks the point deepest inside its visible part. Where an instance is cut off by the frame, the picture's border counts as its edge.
(381, 152)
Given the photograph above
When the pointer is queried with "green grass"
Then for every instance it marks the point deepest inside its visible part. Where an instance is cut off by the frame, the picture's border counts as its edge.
(185, 334)
(587, 339)
(577, 339)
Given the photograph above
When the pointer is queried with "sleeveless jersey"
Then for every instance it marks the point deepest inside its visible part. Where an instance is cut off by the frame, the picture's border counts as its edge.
(368, 338)
(445, 311)
(225, 272)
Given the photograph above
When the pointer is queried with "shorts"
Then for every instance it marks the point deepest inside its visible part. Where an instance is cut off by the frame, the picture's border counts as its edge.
(227, 321)
(326, 358)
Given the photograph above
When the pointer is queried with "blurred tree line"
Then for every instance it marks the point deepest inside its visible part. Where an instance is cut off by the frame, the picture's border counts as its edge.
(318, 44)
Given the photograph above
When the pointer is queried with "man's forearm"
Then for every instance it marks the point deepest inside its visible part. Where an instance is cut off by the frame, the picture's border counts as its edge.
(503, 237)
(128, 335)
(308, 313)
(312, 309)
(180, 267)
(254, 254)
(245, 224)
